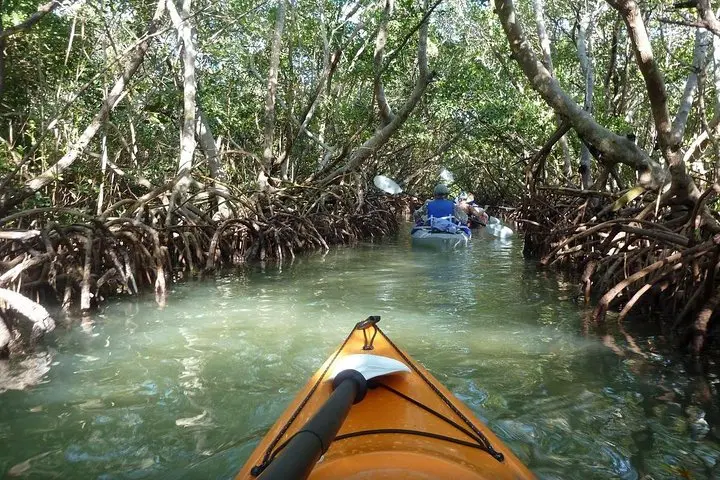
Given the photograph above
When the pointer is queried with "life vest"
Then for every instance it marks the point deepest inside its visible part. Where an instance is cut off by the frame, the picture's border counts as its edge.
(440, 208)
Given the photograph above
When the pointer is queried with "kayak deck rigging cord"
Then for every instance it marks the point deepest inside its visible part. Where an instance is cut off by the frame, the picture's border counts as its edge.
(269, 455)
(497, 455)
(474, 433)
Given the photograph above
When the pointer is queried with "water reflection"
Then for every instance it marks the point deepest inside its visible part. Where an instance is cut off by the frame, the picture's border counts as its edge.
(25, 373)
(187, 391)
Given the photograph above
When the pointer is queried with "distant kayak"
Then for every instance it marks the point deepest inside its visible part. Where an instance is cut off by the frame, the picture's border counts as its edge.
(372, 412)
(429, 237)
(495, 228)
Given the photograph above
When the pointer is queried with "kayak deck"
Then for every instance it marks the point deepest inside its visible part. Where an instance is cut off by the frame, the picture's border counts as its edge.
(425, 236)
(407, 426)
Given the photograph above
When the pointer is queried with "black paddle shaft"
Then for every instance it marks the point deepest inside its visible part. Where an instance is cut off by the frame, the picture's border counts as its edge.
(302, 452)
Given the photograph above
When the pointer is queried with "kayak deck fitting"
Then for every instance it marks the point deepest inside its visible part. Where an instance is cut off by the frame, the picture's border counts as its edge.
(427, 237)
(404, 424)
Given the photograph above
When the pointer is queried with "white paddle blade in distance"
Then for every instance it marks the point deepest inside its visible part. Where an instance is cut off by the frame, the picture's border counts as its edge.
(447, 175)
(370, 366)
(387, 184)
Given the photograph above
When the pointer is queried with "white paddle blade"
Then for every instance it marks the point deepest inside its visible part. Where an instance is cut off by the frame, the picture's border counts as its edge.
(387, 184)
(370, 366)
(447, 175)
(500, 231)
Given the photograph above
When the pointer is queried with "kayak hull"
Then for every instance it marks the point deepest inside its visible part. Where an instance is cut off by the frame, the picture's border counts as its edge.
(425, 237)
(407, 426)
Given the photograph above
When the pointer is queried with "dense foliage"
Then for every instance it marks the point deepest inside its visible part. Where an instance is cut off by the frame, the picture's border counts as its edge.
(478, 116)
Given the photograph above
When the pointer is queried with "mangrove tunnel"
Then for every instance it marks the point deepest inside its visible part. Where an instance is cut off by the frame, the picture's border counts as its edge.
(146, 144)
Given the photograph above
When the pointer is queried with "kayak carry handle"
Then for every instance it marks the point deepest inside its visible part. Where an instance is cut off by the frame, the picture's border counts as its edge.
(371, 321)
(299, 456)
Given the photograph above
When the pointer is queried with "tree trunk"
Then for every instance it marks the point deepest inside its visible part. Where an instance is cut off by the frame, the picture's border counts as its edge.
(386, 114)
(5, 335)
(612, 64)
(217, 169)
(712, 131)
(290, 88)
(202, 126)
(321, 92)
(539, 8)
(187, 135)
(584, 48)
(694, 152)
(708, 16)
(381, 136)
(187, 130)
(272, 89)
(30, 187)
(669, 134)
(2, 57)
(103, 170)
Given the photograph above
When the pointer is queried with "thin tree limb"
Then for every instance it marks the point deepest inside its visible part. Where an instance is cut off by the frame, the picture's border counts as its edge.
(31, 20)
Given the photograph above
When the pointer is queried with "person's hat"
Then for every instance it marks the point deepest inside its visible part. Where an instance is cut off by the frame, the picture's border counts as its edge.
(441, 189)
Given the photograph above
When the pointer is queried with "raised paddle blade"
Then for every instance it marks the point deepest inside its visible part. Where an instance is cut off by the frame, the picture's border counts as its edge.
(370, 366)
(387, 184)
(446, 175)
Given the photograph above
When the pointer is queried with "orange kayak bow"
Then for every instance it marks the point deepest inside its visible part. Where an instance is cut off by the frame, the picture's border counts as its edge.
(372, 412)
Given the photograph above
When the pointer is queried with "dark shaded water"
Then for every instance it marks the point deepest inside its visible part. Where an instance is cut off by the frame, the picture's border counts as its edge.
(187, 391)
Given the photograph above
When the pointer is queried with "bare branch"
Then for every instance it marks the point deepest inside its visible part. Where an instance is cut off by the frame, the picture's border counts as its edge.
(386, 113)
(31, 20)
(702, 40)
(684, 23)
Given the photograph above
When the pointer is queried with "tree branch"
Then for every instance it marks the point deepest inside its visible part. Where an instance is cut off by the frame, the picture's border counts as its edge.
(614, 148)
(31, 20)
(702, 39)
(386, 113)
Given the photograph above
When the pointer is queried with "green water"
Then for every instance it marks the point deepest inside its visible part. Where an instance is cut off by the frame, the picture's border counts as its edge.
(187, 391)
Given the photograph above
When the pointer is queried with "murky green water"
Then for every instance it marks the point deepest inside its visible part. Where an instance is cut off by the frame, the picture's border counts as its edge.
(187, 391)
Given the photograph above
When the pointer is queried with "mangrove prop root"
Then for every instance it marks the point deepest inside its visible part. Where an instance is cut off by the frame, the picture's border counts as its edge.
(80, 264)
(638, 257)
(41, 320)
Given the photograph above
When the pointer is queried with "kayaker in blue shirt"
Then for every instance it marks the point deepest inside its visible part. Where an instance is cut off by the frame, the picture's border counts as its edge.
(439, 207)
